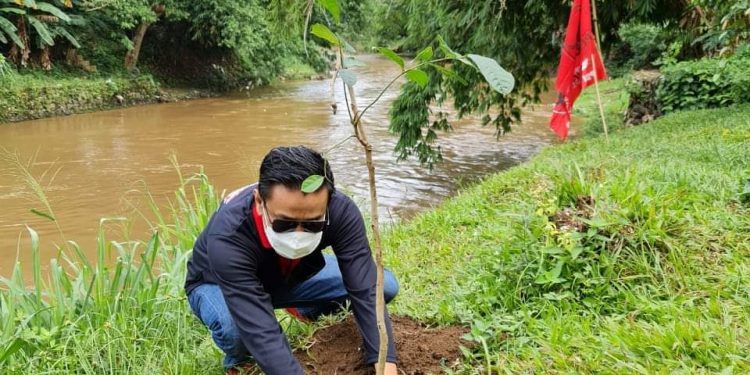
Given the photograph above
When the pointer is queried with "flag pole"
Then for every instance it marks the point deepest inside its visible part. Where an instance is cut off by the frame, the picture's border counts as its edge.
(593, 63)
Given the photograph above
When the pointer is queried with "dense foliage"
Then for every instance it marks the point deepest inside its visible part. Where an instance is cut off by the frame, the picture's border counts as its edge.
(706, 83)
(217, 43)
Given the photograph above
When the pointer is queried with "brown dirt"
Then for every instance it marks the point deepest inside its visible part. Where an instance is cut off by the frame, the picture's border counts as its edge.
(570, 219)
(421, 350)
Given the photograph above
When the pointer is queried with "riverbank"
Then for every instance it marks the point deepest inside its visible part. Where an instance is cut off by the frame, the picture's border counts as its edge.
(33, 97)
(29, 97)
(594, 257)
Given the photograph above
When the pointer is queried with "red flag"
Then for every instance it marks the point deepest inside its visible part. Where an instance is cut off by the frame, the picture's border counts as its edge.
(579, 63)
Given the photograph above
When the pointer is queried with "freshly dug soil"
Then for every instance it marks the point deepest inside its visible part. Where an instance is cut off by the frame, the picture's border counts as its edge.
(421, 350)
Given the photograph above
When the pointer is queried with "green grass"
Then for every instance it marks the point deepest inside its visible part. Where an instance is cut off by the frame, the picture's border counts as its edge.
(295, 69)
(656, 283)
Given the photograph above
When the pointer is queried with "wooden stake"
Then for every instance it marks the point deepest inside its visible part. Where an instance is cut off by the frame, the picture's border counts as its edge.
(593, 63)
(599, 98)
(596, 26)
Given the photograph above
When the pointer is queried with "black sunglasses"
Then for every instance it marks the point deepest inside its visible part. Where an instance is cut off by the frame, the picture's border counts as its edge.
(286, 225)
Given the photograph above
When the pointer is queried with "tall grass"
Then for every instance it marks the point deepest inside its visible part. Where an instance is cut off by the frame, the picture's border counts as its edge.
(123, 312)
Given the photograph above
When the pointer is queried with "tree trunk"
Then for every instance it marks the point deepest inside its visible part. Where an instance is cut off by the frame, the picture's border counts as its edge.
(379, 298)
(131, 58)
(44, 58)
(20, 56)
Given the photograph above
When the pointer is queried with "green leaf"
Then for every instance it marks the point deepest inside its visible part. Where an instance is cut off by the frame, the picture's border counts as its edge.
(392, 56)
(61, 31)
(323, 32)
(425, 54)
(53, 10)
(12, 10)
(11, 348)
(312, 183)
(332, 6)
(42, 30)
(10, 29)
(447, 51)
(498, 78)
(42, 214)
(348, 76)
(418, 76)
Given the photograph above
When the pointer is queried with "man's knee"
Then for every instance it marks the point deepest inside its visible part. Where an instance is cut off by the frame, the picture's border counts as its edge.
(227, 336)
(390, 286)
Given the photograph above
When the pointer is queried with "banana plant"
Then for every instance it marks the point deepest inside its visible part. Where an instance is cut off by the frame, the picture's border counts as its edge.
(24, 21)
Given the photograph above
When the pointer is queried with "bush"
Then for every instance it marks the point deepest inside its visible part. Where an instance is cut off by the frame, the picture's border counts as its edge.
(645, 43)
(705, 83)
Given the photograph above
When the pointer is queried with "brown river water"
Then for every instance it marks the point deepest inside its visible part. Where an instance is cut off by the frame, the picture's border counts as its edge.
(107, 159)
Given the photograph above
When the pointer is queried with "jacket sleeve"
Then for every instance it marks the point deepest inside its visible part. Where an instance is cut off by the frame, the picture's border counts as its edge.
(359, 273)
(250, 306)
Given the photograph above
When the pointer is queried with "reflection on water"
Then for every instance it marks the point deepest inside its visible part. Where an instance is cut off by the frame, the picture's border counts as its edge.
(106, 158)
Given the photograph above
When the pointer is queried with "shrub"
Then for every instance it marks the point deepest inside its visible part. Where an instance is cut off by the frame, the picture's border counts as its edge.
(705, 83)
(645, 42)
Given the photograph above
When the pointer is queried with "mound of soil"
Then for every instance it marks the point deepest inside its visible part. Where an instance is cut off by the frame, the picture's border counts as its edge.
(421, 350)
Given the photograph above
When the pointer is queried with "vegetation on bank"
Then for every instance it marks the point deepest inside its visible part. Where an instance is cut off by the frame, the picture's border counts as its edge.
(36, 97)
(594, 257)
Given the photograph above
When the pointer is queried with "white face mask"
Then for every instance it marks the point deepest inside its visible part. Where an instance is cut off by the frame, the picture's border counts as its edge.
(291, 245)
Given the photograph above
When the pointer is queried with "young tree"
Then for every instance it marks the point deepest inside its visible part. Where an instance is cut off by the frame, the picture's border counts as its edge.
(441, 60)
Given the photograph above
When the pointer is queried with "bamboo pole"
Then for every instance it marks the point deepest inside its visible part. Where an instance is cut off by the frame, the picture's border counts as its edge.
(599, 99)
(593, 64)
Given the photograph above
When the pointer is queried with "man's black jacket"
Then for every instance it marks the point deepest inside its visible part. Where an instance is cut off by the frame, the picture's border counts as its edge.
(230, 252)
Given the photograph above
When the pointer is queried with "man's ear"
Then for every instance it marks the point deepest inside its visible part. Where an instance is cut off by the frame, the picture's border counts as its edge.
(256, 196)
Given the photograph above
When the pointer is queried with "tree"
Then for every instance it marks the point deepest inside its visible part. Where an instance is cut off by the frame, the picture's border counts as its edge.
(441, 60)
(36, 24)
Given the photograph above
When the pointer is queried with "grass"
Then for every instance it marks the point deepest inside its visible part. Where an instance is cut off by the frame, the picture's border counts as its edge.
(656, 282)
(651, 277)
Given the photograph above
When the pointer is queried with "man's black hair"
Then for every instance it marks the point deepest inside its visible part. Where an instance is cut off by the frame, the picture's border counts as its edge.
(289, 166)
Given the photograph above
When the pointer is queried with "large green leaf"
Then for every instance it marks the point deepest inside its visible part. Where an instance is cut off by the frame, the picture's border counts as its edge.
(498, 78)
(10, 29)
(332, 6)
(418, 76)
(323, 32)
(348, 76)
(53, 10)
(42, 30)
(392, 56)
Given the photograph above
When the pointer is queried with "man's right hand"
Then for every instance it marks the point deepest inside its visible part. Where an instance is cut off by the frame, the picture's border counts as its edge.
(390, 369)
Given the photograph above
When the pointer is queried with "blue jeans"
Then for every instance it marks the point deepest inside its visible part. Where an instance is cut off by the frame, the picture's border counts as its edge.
(323, 293)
